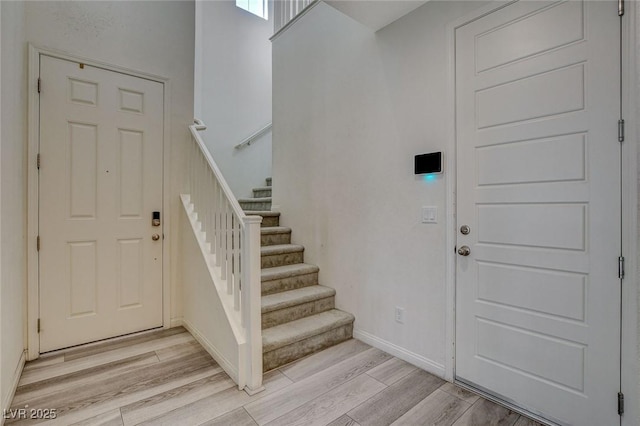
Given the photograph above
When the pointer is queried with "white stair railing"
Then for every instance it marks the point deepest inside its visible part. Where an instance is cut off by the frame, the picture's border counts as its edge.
(231, 242)
(286, 11)
(255, 136)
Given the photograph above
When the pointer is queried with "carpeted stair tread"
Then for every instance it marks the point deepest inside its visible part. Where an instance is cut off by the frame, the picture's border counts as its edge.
(263, 213)
(262, 192)
(288, 277)
(255, 204)
(281, 254)
(286, 299)
(274, 235)
(286, 271)
(268, 180)
(304, 328)
(255, 200)
(269, 218)
(280, 249)
(270, 230)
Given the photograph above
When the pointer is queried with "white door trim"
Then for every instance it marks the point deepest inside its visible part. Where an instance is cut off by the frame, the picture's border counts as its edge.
(631, 237)
(33, 114)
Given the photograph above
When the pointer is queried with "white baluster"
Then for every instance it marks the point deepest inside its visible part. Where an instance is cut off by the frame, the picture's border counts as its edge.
(220, 228)
(229, 234)
(189, 160)
(214, 217)
(196, 184)
(212, 191)
(206, 213)
(223, 246)
(236, 263)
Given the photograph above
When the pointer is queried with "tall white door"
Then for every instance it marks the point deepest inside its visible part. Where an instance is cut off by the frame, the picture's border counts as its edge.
(101, 140)
(538, 185)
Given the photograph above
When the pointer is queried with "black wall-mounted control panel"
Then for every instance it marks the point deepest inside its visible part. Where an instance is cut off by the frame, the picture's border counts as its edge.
(428, 163)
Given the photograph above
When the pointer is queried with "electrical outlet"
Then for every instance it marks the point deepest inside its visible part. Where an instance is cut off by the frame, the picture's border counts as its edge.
(399, 315)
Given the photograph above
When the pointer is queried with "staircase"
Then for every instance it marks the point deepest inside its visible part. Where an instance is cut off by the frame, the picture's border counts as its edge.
(298, 315)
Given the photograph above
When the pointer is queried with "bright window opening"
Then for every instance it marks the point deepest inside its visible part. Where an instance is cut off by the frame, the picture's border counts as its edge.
(257, 7)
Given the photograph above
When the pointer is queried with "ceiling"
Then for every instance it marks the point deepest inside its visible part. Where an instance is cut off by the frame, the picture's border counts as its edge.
(375, 14)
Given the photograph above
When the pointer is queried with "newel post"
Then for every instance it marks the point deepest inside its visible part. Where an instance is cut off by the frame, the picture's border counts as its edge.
(251, 308)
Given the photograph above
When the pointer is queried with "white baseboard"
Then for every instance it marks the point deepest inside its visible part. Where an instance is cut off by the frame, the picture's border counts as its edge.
(405, 355)
(226, 365)
(176, 322)
(6, 404)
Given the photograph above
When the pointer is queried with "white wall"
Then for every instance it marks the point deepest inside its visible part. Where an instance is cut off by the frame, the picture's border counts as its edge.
(351, 109)
(12, 190)
(147, 36)
(234, 90)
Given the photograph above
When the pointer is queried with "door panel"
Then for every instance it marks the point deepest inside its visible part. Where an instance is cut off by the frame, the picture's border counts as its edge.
(538, 168)
(522, 38)
(100, 180)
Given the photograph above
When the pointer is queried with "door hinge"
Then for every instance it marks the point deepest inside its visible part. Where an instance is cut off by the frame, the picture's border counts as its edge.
(620, 403)
(38, 161)
(38, 325)
(620, 7)
(621, 130)
(38, 243)
(621, 267)
(38, 84)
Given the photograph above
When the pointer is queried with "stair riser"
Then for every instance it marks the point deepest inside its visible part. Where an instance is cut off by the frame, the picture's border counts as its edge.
(268, 221)
(255, 206)
(289, 283)
(274, 239)
(260, 193)
(271, 319)
(297, 350)
(270, 261)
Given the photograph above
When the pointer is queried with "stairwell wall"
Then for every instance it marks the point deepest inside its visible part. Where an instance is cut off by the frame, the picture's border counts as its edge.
(351, 109)
(233, 90)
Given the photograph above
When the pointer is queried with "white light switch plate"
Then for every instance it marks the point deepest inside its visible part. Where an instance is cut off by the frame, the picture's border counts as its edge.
(429, 214)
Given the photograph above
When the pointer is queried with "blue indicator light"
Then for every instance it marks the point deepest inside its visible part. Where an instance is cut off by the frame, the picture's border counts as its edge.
(429, 177)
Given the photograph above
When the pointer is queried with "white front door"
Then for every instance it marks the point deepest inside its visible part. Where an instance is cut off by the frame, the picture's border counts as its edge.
(538, 184)
(101, 139)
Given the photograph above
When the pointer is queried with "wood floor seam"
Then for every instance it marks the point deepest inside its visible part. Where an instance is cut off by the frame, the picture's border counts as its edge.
(253, 418)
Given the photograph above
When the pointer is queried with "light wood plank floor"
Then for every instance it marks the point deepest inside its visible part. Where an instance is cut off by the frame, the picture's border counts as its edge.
(166, 378)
